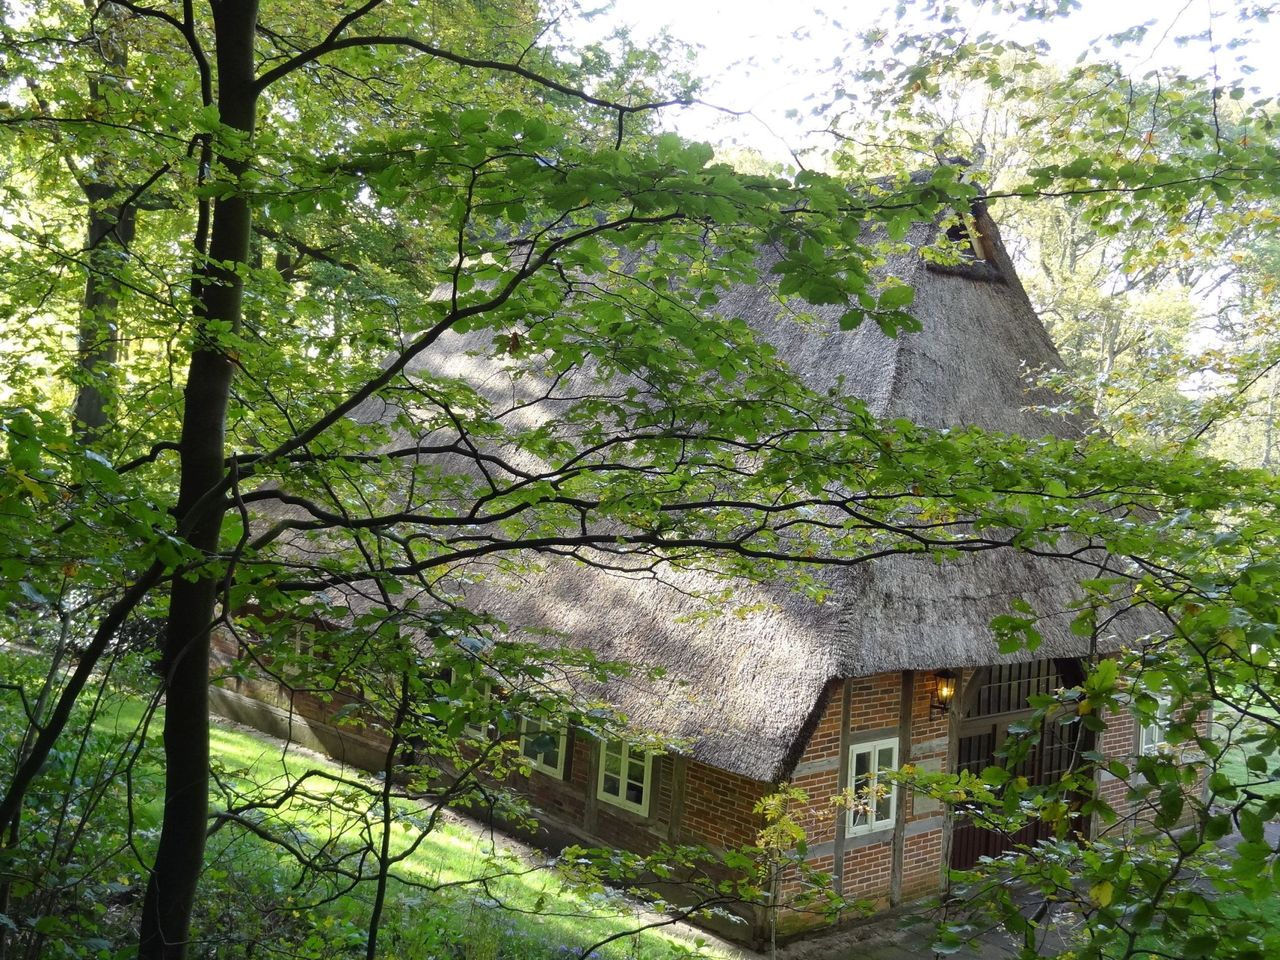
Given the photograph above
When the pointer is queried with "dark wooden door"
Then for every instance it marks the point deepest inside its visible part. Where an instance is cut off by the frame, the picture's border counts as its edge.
(999, 701)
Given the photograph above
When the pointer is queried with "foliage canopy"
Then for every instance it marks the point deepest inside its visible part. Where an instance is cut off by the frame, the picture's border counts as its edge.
(235, 237)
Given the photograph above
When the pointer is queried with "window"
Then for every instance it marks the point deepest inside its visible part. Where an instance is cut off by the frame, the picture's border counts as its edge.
(480, 731)
(971, 244)
(544, 745)
(297, 652)
(484, 696)
(866, 763)
(972, 253)
(304, 641)
(626, 775)
(1152, 736)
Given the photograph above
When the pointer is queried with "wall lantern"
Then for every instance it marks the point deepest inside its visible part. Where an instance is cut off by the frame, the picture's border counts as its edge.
(944, 691)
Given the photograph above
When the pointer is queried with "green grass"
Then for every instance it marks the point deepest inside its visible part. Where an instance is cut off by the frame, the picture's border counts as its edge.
(1229, 729)
(251, 892)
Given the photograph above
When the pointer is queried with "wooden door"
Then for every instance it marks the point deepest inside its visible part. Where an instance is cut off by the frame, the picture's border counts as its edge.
(1000, 699)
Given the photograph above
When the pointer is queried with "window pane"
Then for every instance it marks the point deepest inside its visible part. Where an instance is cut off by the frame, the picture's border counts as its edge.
(635, 793)
(885, 762)
(883, 805)
(635, 771)
(611, 786)
(552, 757)
(861, 764)
(612, 764)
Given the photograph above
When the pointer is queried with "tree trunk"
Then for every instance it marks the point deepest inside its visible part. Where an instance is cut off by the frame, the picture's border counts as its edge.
(1269, 423)
(170, 898)
(111, 230)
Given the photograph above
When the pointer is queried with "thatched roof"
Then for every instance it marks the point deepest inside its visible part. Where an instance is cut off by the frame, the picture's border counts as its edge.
(742, 687)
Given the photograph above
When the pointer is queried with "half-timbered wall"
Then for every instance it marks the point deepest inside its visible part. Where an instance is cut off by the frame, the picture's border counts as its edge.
(1133, 810)
(885, 866)
(698, 804)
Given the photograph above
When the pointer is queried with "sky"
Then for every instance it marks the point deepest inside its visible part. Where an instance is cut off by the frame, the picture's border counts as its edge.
(766, 55)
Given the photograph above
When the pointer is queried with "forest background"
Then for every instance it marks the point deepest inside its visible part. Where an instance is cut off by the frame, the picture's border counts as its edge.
(227, 229)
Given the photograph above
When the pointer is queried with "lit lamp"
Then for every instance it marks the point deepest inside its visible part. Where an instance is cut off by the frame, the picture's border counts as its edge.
(944, 691)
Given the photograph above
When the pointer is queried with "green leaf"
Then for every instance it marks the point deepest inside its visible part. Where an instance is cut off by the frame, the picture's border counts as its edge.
(1102, 893)
(1251, 826)
(896, 297)
(995, 776)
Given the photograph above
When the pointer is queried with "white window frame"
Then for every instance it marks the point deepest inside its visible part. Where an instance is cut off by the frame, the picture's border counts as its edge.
(476, 731)
(536, 759)
(872, 824)
(304, 645)
(646, 785)
(1153, 736)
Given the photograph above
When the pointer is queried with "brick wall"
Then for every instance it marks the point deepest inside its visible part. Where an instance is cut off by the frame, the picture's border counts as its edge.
(315, 706)
(922, 864)
(875, 713)
(867, 871)
(1120, 742)
(564, 799)
(718, 807)
(930, 743)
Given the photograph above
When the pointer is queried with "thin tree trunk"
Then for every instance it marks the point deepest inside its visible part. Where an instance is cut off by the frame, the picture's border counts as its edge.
(111, 231)
(171, 890)
(384, 847)
(1269, 423)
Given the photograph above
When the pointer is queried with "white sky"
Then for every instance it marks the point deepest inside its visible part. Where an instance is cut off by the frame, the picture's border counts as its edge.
(766, 55)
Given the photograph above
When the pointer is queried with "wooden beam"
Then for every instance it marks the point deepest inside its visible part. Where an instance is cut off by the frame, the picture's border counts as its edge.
(842, 781)
(968, 687)
(679, 772)
(906, 692)
(589, 809)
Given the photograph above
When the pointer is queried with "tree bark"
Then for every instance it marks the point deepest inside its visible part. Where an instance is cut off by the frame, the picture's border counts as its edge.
(111, 230)
(171, 890)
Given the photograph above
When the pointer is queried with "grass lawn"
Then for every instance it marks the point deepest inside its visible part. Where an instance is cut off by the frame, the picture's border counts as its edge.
(490, 903)
(1232, 729)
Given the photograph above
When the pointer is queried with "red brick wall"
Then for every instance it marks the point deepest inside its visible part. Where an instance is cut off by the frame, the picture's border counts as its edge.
(717, 811)
(305, 704)
(824, 742)
(1120, 742)
(922, 864)
(718, 807)
(875, 701)
(564, 799)
(930, 739)
(867, 870)
(874, 705)
(875, 712)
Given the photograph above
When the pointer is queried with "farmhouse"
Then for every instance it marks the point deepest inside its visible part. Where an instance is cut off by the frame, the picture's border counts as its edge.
(898, 666)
